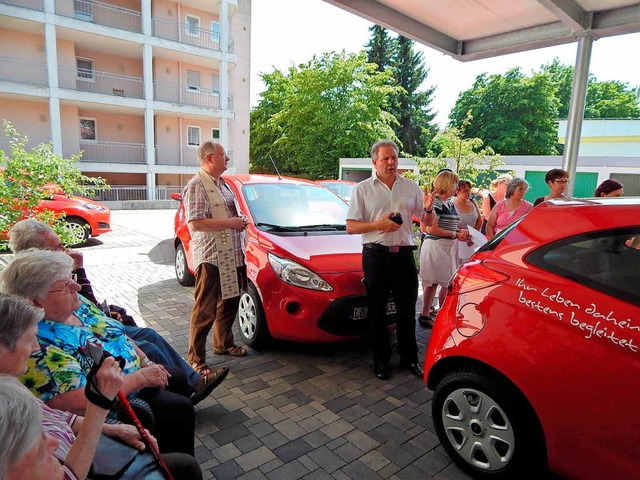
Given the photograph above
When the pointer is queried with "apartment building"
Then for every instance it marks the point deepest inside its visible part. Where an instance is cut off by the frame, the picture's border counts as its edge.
(136, 85)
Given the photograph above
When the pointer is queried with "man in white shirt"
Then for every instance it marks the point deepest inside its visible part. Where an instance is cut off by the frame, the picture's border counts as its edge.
(381, 209)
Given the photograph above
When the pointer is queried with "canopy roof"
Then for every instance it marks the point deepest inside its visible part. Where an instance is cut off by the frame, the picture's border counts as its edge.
(474, 29)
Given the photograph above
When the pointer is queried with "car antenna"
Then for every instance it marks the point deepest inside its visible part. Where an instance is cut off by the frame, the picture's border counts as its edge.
(274, 166)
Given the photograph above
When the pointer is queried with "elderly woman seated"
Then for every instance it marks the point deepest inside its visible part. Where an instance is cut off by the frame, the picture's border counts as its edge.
(57, 371)
(76, 439)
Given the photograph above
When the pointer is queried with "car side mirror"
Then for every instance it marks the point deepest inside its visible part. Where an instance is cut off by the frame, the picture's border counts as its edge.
(176, 196)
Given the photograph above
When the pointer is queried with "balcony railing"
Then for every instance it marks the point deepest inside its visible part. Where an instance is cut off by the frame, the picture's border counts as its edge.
(32, 142)
(123, 193)
(31, 4)
(112, 152)
(188, 34)
(187, 95)
(101, 14)
(101, 82)
(22, 71)
(182, 157)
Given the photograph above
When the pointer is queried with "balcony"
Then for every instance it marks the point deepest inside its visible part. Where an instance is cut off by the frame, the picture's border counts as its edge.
(188, 95)
(22, 71)
(112, 152)
(188, 34)
(101, 14)
(182, 157)
(30, 4)
(94, 81)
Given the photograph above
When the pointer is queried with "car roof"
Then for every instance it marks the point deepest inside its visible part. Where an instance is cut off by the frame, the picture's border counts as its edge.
(349, 182)
(565, 217)
(248, 179)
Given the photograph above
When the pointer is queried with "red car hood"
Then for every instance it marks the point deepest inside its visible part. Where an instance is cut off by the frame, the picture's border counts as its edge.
(321, 253)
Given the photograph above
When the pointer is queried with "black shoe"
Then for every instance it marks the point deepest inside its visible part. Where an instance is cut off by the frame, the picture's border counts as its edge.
(382, 371)
(426, 322)
(413, 367)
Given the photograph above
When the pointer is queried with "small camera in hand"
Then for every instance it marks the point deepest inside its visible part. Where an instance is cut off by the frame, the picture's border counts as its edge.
(396, 217)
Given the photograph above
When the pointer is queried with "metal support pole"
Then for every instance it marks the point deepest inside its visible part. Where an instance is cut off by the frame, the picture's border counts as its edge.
(576, 109)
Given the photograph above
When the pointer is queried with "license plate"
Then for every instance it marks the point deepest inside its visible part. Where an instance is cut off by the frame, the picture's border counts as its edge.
(360, 313)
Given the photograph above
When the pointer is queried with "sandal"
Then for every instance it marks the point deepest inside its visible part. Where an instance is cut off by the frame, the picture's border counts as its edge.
(234, 351)
(202, 368)
(425, 321)
(207, 383)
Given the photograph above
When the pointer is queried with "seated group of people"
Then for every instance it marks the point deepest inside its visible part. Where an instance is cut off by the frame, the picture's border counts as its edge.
(53, 425)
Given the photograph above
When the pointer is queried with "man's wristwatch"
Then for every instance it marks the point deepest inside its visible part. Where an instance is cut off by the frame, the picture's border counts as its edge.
(145, 362)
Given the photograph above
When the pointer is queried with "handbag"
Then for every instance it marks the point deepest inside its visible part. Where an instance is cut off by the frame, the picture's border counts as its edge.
(116, 460)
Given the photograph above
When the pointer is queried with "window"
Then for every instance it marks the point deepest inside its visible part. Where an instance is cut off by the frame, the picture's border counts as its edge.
(88, 129)
(193, 81)
(215, 133)
(192, 27)
(84, 67)
(606, 261)
(215, 87)
(215, 35)
(193, 136)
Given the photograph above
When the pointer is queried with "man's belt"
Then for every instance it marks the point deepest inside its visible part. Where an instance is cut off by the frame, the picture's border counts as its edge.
(390, 249)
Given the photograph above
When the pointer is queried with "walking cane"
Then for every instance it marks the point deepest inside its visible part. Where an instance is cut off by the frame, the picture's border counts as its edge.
(98, 355)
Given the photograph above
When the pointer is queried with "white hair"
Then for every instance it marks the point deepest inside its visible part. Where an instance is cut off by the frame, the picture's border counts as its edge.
(20, 422)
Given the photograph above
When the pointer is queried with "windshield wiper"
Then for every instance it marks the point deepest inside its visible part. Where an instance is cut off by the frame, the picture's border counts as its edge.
(280, 228)
(325, 226)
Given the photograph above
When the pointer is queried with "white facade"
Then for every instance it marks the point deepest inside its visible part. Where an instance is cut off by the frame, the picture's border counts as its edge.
(606, 137)
(136, 85)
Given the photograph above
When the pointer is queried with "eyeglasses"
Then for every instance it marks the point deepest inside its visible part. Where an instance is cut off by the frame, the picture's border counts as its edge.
(67, 286)
(565, 181)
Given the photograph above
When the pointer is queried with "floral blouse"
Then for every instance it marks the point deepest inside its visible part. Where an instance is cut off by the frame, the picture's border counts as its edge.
(62, 363)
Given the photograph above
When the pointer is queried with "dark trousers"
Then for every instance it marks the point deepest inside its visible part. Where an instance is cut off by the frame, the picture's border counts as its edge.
(396, 273)
(210, 310)
(173, 412)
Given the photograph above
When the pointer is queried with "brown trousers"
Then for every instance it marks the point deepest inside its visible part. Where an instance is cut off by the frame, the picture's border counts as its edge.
(210, 310)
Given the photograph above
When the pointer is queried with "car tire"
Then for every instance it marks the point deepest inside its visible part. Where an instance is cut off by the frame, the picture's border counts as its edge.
(487, 427)
(79, 229)
(184, 276)
(251, 319)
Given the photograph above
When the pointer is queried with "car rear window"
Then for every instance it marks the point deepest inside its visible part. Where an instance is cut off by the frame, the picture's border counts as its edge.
(495, 241)
(607, 261)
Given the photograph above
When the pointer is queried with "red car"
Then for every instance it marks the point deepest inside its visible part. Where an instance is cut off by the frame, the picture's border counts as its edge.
(84, 217)
(304, 270)
(535, 356)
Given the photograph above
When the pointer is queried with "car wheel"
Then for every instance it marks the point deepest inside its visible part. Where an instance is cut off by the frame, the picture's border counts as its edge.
(251, 319)
(79, 229)
(184, 276)
(486, 426)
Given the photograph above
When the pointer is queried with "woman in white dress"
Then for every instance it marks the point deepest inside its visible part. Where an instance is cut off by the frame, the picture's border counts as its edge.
(469, 214)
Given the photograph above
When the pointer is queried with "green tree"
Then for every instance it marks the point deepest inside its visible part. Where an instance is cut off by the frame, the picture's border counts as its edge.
(607, 99)
(468, 157)
(380, 48)
(29, 175)
(513, 114)
(411, 107)
(331, 107)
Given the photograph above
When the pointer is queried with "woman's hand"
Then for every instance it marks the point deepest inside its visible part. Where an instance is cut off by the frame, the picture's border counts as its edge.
(128, 434)
(109, 378)
(155, 376)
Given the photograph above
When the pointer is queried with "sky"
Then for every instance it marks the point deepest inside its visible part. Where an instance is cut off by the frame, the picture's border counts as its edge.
(290, 32)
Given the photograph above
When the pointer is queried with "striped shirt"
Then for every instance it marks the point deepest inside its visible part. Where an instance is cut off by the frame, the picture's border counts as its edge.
(58, 424)
(448, 218)
(197, 207)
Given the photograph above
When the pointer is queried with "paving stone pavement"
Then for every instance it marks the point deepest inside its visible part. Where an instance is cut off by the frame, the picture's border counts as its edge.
(294, 411)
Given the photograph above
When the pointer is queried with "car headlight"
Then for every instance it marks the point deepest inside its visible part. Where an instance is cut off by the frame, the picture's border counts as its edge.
(295, 274)
(91, 206)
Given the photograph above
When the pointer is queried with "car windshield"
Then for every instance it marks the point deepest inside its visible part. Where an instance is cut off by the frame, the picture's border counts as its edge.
(342, 189)
(294, 205)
